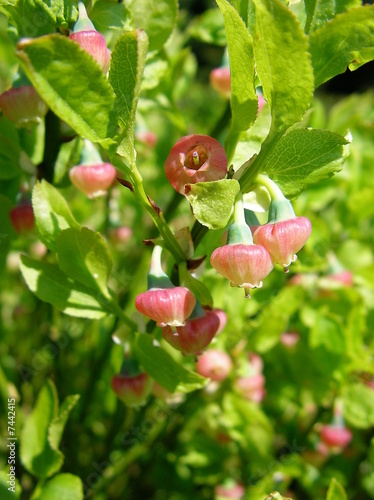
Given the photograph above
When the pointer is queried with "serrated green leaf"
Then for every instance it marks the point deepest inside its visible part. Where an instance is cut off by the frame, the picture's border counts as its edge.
(304, 157)
(282, 63)
(242, 69)
(336, 491)
(37, 455)
(320, 11)
(126, 71)
(212, 202)
(62, 487)
(346, 41)
(9, 150)
(51, 212)
(162, 367)
(157, 19)
(51, 285)
(72, 84)
(5, 493)
(24, 13)
(358, 401)
(108, 16)
(84, 256)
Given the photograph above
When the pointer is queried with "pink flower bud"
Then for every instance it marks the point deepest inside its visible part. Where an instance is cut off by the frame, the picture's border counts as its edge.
(23, 106)
(93, 43)
(214, 364)
(93, 180)
(343, 277)
(234, 491)
(22, 218)
(244, 265)
(166, 306)
(261, 102)
(284, 239)
(336, 436)
(289, 339)
(195, 158)
(132, 390)
(195, 336)
(252, 387)
(256, 364)
(119, 235)
(222, 319)
(220, 80)
(146, 137)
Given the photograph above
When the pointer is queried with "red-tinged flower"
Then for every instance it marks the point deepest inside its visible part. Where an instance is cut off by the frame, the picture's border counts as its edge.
(23, 106)
(252, 387)
(93, 180)
(231, 490)
(94, 43)
(166, 306)
(222, 319)
(343, 277)
(146, 137)
(195, 336)
(195, 158)
(214, 364)
(335, 436)
(244, 265)
(22, 218)
(289, 339)
(220, 80)
(133, 390)
(284, 239)
(120, 235)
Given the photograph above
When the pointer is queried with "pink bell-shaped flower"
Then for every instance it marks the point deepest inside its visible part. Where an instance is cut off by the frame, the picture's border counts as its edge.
(23, 106)
(92, 176)
(220, 80)
(90, 40)
(195, 158)
(214, 364)
(195, 336)
(251, 387)
(168, 306)
(335, 436)
(22, 218)
(229, 490)
(132, 385)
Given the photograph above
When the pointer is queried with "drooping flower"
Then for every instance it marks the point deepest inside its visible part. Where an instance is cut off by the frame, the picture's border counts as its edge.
(132, 385)
(23, 106)
(251, 387)
(90, 40)
(220, 80)
(22, 218)
(336, 436)
(195, 158)
(214, 364)
(195, 336)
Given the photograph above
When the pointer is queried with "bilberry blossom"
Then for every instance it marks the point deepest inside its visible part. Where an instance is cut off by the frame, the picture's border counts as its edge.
(214, 364)
(22, 217)
(23, 106)
(132, 385)
(195, 158)
(220, 80)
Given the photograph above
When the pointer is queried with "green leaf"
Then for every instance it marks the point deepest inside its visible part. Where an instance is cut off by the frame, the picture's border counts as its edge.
(162, 367)
(242, 69)
(282, 63)
(327, 332)
(212, 202)
(57, 425)
(37, 455)
(208, 28)
(197, 287)
(51, 212)
(358, 400)
(68, 156)
(7, 233)
(84, 256)
(320, 11)
(32, 18)
(5, 493)
(304, 157)
(336, 491)
(9, 150)
(72, 84)
(108, 16)
(156, 18)
(51, 285)
(62, 487)
(126, 71)
(348, 40)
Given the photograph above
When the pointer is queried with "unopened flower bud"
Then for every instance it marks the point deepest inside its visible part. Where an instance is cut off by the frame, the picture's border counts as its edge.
(195, 158)
(195, 336)
(23, 106)
(93, 180)
(133, 390)
(220, 80)
(336, 436)
(214, 364)
(22, 218)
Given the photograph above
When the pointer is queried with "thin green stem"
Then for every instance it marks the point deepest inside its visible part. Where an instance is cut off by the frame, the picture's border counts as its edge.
(274, 191)
(238, 215)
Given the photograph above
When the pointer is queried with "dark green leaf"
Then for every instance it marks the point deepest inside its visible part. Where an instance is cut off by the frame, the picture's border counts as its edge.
(304, 157)
(84, 256)
(51, 285)
(162, 367)
(51, 212)
(346, 41)
(72, 84)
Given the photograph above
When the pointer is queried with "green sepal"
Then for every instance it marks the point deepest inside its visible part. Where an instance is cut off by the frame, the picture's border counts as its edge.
(130, 367)
(159, 281)
(280, 210)
(83, 23)
(251, 218)
(239, 234)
